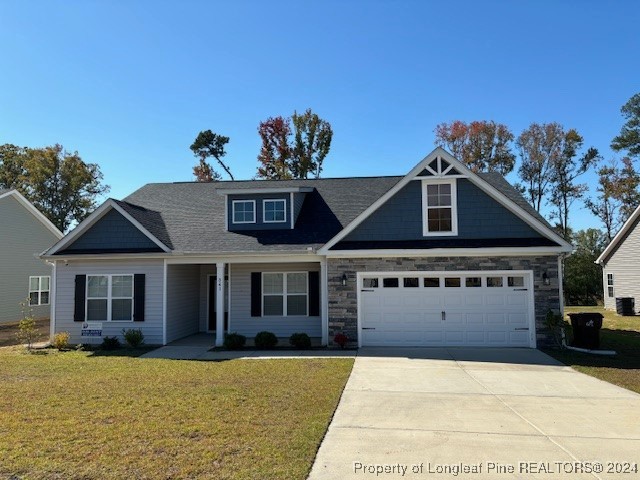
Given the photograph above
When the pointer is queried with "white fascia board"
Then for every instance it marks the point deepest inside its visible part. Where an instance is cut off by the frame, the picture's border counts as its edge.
(618, 237)
(34, 211)
(447, 252)
(189, 258)
(100, 212)
(465, 173)
(253, 191)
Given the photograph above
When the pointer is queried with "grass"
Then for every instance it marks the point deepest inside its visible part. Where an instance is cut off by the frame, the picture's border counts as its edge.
(79, 415)
(618, 333)
(8, 332)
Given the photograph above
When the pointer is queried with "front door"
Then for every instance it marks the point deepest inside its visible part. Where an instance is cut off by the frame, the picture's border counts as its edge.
(212, 291)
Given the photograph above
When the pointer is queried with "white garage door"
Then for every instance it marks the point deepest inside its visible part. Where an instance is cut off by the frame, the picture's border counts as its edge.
(446, 309)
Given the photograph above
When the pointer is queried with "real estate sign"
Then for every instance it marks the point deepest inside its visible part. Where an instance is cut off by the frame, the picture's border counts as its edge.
(91, 329)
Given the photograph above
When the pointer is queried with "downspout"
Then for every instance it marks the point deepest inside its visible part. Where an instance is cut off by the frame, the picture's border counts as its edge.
(52, 300)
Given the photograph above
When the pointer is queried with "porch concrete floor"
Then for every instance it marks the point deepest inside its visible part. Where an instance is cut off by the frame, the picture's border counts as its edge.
(196, 347)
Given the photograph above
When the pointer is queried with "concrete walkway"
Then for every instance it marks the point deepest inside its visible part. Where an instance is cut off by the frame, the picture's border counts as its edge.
(436, 412)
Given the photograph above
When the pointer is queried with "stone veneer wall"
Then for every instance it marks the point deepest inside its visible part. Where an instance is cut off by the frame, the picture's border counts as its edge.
(343, 308)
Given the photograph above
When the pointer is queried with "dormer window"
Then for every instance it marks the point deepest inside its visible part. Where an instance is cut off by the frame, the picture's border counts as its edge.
(274, 211)
(440, 216)
(244, 211)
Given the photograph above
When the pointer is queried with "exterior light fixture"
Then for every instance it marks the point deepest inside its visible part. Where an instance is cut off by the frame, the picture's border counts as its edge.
(344, 279)
(545, 279)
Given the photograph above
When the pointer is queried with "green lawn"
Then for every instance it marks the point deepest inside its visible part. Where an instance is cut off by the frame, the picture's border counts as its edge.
(83, 415)
(621, 334)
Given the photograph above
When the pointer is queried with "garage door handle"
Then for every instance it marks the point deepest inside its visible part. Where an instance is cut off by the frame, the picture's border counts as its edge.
(366, 290)
(520, 289)
(444, 316)
(521, 328)
(368, 328)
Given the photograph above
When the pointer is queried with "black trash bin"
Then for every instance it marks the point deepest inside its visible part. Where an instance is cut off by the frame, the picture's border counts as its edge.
(625, 306)
(586, 329)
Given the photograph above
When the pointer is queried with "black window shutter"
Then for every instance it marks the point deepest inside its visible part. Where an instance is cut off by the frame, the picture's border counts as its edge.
(314, 294)
(80, 295)
(256, 294)
(138, 297)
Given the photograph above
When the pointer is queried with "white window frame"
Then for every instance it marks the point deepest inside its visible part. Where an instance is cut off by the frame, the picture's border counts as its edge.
(40, 290)
(610, 286)
(284, 293)
(454, 208)
(109, 298)
(264, 210)
(233, 211)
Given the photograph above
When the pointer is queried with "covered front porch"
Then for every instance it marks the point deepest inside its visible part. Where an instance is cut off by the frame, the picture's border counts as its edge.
(282, 295)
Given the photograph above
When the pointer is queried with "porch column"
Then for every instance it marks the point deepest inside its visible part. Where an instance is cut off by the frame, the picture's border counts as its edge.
(219, 304)
(324, 301)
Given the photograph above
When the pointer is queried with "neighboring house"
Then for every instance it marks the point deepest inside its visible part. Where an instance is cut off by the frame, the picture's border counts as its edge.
(620, 263)
(24, 234)
(441, 256)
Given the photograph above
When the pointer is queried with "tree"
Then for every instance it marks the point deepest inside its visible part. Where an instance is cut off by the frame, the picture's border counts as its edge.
(626, 185)
(605, 205)
(293, 151)
(208, 144)
(629, 138)
(485, 146)
(565, 169)
(582, 277)
(311, 144)
(275, 152)
(62, 186)
(539, 145)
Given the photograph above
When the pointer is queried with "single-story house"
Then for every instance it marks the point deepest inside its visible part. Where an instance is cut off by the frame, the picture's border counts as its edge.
(620, 263)
(439, 256)
(24, 278)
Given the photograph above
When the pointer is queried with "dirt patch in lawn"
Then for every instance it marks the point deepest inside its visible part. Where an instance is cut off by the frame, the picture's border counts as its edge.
(8, 332)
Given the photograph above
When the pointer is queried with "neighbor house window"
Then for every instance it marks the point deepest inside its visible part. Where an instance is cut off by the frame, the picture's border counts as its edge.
(285, 294)
(109, 298)
(244, 211)
(610, 285)
(439, 208)
(274, 211)
(39, 290)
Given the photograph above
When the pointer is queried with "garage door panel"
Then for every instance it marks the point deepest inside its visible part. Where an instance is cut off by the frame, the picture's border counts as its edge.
(485, 312)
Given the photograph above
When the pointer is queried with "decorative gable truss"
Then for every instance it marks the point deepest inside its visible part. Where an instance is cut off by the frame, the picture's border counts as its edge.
(439, 172)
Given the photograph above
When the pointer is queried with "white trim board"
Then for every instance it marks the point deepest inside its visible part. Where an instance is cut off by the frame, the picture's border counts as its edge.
(100, 212)
(33, 211)
(474, 178)
(618, 237)
(447, 252)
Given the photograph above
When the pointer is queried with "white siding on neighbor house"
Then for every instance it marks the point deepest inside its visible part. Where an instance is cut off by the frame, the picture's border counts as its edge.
(65, 293)
(624, 264)
(183, 296)
(22, 238)
(242, 322)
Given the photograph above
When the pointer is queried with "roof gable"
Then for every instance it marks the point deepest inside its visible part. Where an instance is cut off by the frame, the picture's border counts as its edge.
(620, 237)
(28, 206)
(440, 164)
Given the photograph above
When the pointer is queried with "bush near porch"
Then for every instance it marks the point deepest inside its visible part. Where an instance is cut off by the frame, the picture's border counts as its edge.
(618, 333)
(105, 415)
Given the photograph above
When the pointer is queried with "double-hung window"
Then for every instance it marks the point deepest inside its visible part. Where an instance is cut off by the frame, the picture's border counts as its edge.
(274, 211)
(39, 290)
(244, 211)
(285, 294)
(610, 285)
(109, 298)
(439, 208)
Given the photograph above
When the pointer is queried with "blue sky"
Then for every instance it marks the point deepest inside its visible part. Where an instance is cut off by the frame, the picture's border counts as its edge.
(130, 84)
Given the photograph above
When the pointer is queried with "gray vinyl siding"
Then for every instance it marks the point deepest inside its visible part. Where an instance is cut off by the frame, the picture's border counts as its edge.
(479, 217)
(22, 238)
(241, 320)
(112, 231)
(624, 264)
(65, 293)
(259, 225)
(182, 301)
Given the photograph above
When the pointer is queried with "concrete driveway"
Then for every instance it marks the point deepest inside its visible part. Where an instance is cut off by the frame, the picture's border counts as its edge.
(477, 413)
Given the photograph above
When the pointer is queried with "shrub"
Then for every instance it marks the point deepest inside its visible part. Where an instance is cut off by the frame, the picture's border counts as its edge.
(265, 340)
(61, 340)
(234, 341)
(341, 339)
(555, 324)
(27, 328)
(133, 337)
(110, 343)
(300, 341)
